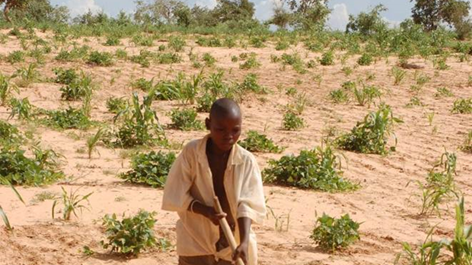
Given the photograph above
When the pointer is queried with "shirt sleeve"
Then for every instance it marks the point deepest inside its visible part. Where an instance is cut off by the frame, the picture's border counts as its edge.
(251, 203)
(177, 195)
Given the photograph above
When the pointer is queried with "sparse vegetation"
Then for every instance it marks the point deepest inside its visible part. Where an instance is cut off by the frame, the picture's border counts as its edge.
(256, 142)
(332, 234)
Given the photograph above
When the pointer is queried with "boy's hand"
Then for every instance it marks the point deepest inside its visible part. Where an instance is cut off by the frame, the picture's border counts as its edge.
(241, 252)
(214, 216)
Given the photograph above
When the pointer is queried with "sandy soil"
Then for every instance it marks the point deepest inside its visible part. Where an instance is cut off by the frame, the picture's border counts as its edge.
(387, 207)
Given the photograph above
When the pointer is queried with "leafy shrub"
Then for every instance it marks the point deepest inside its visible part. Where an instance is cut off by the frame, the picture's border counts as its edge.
(366, 95)
(77, 88)
(16, 57)
(365, 59)
(371, 134)
(73, 55)
(209, 42)
(112, 41)
(331, 233)
(256, 142)
(143, 84)
(117, 105)
(121, 54)
(150, 169)
(22, 108)
(250, 84)
(463, 106)
(292, 121)
(339, 96)
(68, 119)
(282, 45)
(250, 63)
(131, 235)
(142, 40)
(209, 59)
(17, 169)
(9, 134)
(318, 169)
(177, 43)
(100, 58)
(295, 61)
(142, 58)
(185, 119)
(168, 58)
(141, 126)
(65, 76)
(327, 58)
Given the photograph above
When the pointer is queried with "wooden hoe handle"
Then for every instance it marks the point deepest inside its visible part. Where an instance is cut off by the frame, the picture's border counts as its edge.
(226, 229)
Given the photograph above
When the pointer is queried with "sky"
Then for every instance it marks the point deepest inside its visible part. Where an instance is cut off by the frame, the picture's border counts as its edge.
(398, 10)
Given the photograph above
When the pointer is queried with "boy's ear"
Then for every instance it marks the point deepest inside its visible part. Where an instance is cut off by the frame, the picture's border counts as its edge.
(207, 123)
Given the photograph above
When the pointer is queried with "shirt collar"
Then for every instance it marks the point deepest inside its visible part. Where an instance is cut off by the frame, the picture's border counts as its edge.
(235, 157)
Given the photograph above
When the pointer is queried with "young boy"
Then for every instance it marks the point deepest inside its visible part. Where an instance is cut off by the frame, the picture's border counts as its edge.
(209, 167)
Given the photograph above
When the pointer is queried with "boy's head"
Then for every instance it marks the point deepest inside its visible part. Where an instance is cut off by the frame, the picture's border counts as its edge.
(224, 123)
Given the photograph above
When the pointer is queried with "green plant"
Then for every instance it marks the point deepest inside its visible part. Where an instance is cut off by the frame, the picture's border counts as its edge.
(256, 142)
(100, 58)
(250, 63)
(71, 202)
(317, 169)
(5, 220)
(16, 57)
(398, 75)
(209, 59)
(150, 169)
(143, 84)
(22, 108)
(467, 145)
(9, 135)
(331, 233)
(366, 95)
(422, 79)
(443, 92)
(209, 42)
(142, 58)
(414, 101)
(6, 88)
(168, 58)
(292, 121)
(371, 134)
(339, 96)
(68, 119)
(432, 252)
(365, 59)
(92, 142)
(282, 45)
(327, 58)
(141, 125)
(18, 169)
(65, 76)
(78, 88)
(112, 41)
(131, 235)
(463, 106)
(142, 40)
(250, 84)
(295, 61)
(121, 54)
(185, 120)
(28, 75)
(439, 185)
(177, 43)
(117, 105)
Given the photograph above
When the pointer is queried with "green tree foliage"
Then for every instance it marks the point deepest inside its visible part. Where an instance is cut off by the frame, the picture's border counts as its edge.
(303, 14)
(367, 23)
(431, 13)
(35, 10)
(158, 11)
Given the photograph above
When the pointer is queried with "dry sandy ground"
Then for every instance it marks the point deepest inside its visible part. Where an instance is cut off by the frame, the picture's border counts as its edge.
(386, 206)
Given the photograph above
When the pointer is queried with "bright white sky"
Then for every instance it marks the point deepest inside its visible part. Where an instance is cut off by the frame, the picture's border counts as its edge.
(398, 10)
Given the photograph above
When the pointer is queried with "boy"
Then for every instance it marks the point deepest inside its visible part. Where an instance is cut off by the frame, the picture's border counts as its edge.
(216, 166)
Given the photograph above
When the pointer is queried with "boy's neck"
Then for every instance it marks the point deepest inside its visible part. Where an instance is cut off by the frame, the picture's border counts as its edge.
(214, 150)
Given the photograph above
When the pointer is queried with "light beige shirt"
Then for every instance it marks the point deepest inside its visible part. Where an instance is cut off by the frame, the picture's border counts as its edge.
(190, 178)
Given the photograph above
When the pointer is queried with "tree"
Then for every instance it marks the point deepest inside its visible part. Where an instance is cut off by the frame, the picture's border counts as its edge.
(305, 14)
(367, 23)
(233, 10)
(35, 10)
(281, 17)
(157, 11)
(430, 13)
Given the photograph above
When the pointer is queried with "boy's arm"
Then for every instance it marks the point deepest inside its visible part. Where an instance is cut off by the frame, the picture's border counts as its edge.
(177, 195)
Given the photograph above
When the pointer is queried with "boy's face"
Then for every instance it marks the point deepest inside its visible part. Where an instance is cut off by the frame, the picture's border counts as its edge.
(224, 131)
